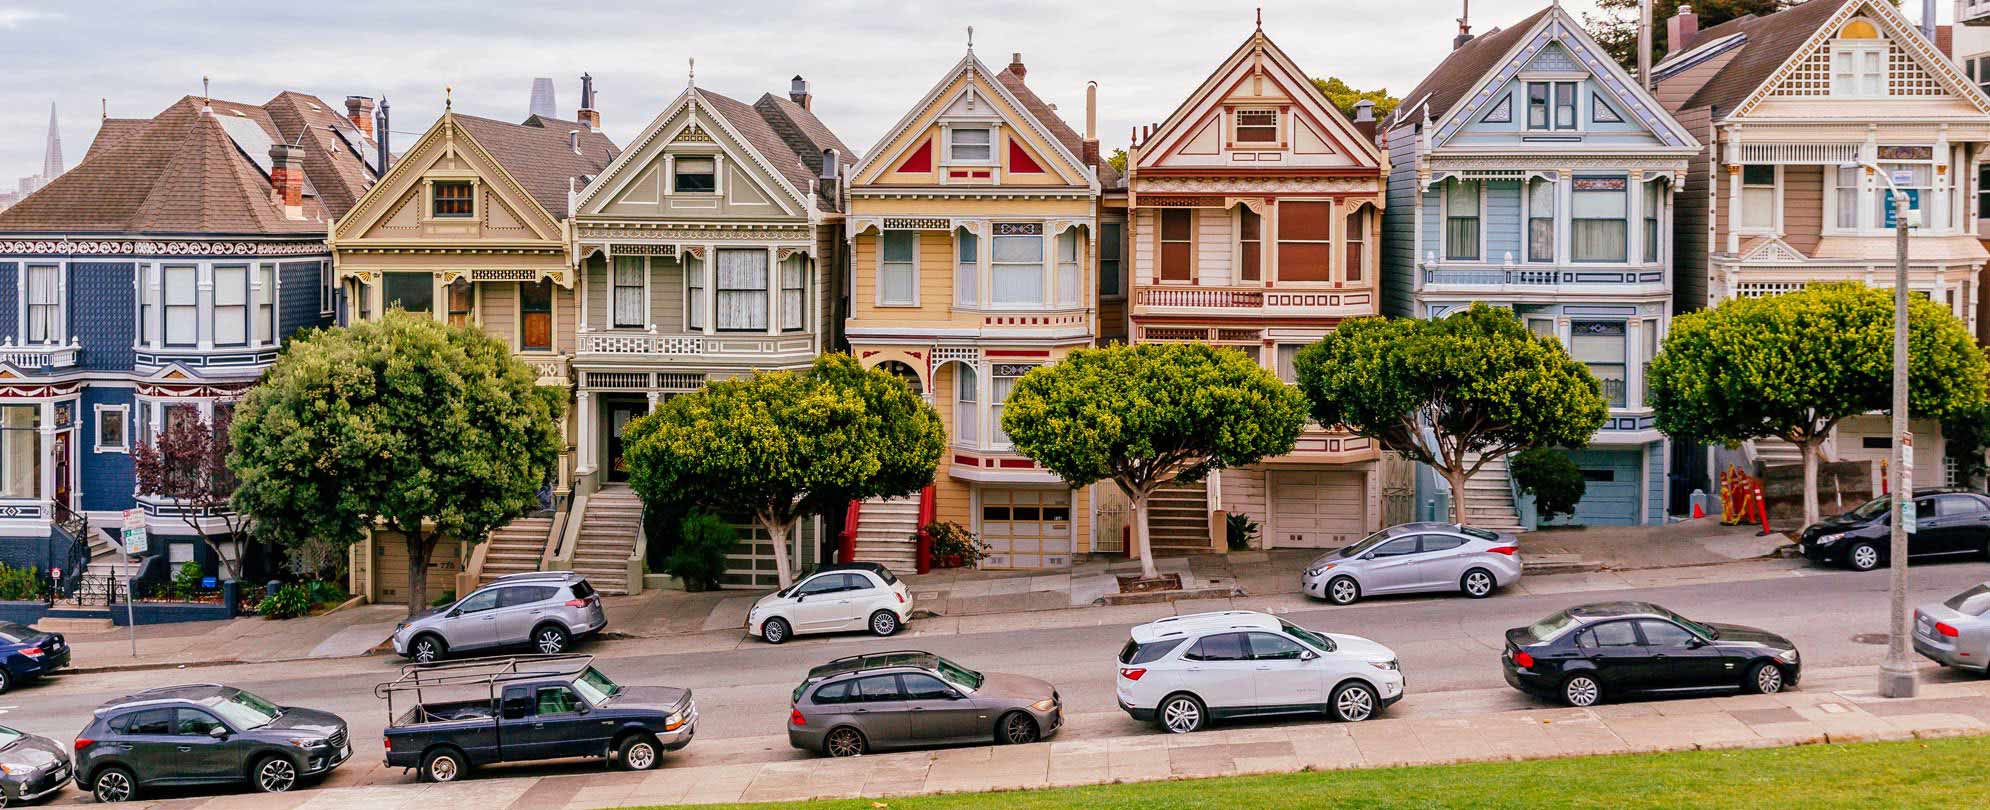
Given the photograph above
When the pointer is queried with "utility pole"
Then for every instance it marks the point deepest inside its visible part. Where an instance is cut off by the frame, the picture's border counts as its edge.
(1896, 673)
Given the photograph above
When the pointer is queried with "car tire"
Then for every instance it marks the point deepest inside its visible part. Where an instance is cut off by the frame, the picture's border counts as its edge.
(443, 765)
(775, 631)
(640, 752)
(113, 785)
(427, 648)
(273, 774)
(1478, 583)
(1343, 591)
(1017, 728)
(1862, 557)
(550, 639)
(1765, 678)
(1182, 714)
(1353, 702)
(1582, 690)
(884, 623)
(845, 742)
(6, 681)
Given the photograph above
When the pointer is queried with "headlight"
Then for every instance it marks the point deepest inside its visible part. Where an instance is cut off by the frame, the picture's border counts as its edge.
(1828, 539)
(1044, 705)
(1319, 569)
(1791, 656)
(673, 721)
(307, 742)
(1389, 665)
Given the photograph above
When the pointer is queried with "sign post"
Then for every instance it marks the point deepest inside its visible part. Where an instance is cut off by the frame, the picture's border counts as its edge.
(135, 543)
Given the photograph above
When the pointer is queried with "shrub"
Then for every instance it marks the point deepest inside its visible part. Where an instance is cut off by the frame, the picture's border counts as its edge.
(951, 540)
(325, 592)
(19, 584)
(700, 556)
(447, 597)
(1552, 478)
(289, 602)
(1239, 530)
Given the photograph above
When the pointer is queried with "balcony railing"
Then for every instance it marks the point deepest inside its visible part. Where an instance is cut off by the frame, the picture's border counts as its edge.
(1211, 297)
(622, 343)
(1258, 300)
(552, 369)
(1490, 275)
(32, 357)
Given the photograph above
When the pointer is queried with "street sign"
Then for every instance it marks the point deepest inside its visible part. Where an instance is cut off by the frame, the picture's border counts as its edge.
(1902, 177)
(1907, 516)
(133, 536)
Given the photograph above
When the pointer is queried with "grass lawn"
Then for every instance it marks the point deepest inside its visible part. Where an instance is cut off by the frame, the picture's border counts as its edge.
(1936, 773)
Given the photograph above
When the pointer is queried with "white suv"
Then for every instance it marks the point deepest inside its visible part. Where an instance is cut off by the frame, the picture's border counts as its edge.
(851, 596)
(1187, 670)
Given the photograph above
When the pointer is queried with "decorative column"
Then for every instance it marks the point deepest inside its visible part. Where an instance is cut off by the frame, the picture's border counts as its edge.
(584, 418)
(1634, 359)
(204, 296)
(708, 258)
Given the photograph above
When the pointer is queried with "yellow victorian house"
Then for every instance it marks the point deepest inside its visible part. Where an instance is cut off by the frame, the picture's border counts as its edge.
(470, 227)
(973, 237)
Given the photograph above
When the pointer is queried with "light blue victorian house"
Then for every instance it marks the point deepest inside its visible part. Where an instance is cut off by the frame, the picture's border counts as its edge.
(1530, 171)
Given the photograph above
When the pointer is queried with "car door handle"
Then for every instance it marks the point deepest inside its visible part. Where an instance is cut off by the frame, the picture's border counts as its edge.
(1265, 668)
(538, 725)
(862, 711)
(185, 748)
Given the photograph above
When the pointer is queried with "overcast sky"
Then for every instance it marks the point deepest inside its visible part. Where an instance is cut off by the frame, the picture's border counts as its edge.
(868, 62)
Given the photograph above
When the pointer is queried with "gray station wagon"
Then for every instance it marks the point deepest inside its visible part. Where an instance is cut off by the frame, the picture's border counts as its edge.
(909, 698)
(544, 609)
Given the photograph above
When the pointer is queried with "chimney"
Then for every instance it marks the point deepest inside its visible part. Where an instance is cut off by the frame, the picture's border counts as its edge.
(1091, 142)
(1464, 27)
(286, 178)
(573, 140)
(1364, 119)
(587, 116)
(798, 92)
(1644, 43)
(380, 135)
(1016, 65)
(832, 171)
(359, 110)
(1681, 29)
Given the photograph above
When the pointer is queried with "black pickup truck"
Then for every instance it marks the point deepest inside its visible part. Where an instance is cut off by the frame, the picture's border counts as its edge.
(525, 708)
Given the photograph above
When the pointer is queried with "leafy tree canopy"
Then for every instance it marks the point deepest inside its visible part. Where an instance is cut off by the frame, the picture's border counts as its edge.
(1344, 97)
(1117, 160)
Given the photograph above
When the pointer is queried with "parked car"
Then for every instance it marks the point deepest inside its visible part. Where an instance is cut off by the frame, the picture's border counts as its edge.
(27, 654)
(484, 711)
(833, 598)
(31, 768)
(1184, 671)
(545, 609)
(1588, 654)
(1949, 523)
(1416, 558)
(1956, 633)
(200, 734)
(909, 698)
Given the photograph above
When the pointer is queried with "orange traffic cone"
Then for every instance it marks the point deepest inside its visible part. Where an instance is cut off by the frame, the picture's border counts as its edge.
(1698, 510)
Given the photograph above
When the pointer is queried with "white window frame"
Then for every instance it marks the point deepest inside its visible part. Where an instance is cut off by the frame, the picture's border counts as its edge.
(97, 428)
(780, 304)
(1046, 256)
(262, 330)
(52, 325)
(994, 139)
(996, 438)
(1553, 83)
(967, 274)
(1237, 125)
(246, 305)
(878, 294)
(327, 285)
(767, 307)
(718, 174)
(698, 278)
(1106, 230)
(1444, 222)
(1632, 223)
(615, 288)
(1854, 50)
(167, 307)
(968, 401)
(1775, 225)
(1527, 217)
(1065, 291)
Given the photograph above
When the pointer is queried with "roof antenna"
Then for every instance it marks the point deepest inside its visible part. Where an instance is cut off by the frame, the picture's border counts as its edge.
(104, 106)
(1261, 18)
(1465, 27)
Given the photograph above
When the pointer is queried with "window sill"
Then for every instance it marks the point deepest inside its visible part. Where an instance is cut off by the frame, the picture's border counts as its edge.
(118, 450)
(882, 305)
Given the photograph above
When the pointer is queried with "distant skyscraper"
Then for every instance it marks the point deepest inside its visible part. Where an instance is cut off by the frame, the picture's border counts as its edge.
(51, 161)
(544, 103)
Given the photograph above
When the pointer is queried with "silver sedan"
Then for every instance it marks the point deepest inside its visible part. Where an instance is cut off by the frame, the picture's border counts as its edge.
(1416, 558)
(1956, 633)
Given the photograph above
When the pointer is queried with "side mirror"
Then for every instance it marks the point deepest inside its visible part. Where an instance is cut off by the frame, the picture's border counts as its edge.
(218, 732)
(1697, 643)
(583, 708)
(801, 597)
(453, 613)
(1308, 655)
(1368, 556)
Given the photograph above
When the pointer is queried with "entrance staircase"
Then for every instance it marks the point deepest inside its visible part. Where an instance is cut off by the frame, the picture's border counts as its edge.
(516, 548)
(1489, 497)
(1178, 519)
(608, 531)
(887, 533)
(1777, 453)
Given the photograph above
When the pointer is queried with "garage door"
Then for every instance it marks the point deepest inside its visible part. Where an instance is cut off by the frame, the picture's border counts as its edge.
(1026, 528)
(1316, 509)
(1610, 487)
(750, 563)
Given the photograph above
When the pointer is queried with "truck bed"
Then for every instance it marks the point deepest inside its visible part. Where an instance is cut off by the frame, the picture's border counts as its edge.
(425, 713)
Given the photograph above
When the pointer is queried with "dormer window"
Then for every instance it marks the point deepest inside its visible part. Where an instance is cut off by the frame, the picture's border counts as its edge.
(1858, 61)
(454, 199)
(971, 145)
(695, 175)
(1257, 126)
(1550, 105)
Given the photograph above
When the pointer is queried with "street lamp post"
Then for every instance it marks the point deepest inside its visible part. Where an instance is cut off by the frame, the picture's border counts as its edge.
(1896, 672)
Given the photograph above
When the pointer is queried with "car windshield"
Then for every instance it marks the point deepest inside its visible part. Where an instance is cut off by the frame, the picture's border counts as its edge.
(243, 710)
(1972, 602)
(1870, 509)
(1551, 627)
(968, 680)
(1366, 543)
(1701, 629)
(595, 686)
(8, 736)
(1319, 642)
(12, 633)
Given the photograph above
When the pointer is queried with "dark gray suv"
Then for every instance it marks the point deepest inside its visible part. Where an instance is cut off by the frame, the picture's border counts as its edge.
(201, 734)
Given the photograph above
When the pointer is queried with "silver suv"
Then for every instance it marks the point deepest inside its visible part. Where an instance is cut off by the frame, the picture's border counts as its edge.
(546, 609)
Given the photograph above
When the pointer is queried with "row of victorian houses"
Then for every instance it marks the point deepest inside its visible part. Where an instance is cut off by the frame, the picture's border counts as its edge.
(982, 236)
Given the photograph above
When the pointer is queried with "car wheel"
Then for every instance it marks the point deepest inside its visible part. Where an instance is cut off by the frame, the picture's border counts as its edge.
(1352, 702)
(1581, 691)
(1478, 583)
(114, 785)
(5, 681)
(844, 742)
(275, 775)
(775, 631)
(1182, 714)
(1343, 591)
(1765, 678)
(427, 649)
(638, 753)
(443, 765)
(1863, 557)
(550, 639)
(1017, 728)
(884, 623)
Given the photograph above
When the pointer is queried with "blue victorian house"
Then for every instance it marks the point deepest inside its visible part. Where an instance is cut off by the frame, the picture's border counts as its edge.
(154, 282)
(1529, 171)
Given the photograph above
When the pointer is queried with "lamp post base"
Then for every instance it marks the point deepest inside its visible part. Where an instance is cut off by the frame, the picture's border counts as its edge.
(1897, 680)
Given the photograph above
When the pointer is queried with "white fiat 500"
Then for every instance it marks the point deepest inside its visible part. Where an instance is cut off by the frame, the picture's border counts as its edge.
(1185, 671)
(830, 599)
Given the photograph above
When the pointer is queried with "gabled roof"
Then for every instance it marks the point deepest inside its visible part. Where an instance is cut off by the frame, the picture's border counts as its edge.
(1036, 115)
(1900, 34)
(804, 133)
(1072, 141)
(1766, 43)
(1359, 148)
(1454, 77)
(111, 131)
(539, 155)
(760, 134)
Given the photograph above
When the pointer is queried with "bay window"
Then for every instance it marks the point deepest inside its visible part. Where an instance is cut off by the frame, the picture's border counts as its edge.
(1015, 275)
(1600, 345)
(412, 292)
(1597, 217)
(967, 268)
(794, 296)
(1654, 199)
(1357, 243)
(1540, 220)
(1250, 244)
(967, 406)
(44, 307)
(629, 304)
(897, 273)
(1758, 198)
(1919, 188)
(1461, 221)
(742, 290)
(1067, 268)
(20, 451)
(694, 293)
(1305, 240)
(266, 304)
(1845, 196)
(1005, 377)
(231, 305)
(1285, 358)
(182, 305)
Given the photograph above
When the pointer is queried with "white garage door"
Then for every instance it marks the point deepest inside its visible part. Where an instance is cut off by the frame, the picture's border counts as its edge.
(1316, 509)
(1026, 528)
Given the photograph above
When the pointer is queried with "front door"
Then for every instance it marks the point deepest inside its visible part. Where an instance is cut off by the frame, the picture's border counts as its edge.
(939, 714)
(62, 469)
(620, 414)
(1281, 675)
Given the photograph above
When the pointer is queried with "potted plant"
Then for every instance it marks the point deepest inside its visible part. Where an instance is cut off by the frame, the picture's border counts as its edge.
(954, 546)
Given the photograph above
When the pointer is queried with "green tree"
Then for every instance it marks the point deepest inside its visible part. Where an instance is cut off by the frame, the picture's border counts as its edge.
(1615, 23)
(1454, 393)
(1143, 416)
(784, 445)
(1117, 160)
(430, 430)
(1552, 478)
(1344, 97)
(1791, 366)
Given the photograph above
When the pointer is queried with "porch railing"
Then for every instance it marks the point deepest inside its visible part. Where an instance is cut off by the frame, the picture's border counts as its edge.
(693, 345)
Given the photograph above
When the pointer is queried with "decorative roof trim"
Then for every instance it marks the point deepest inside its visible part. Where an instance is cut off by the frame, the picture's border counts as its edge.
(802, 206)
(1215, 83)
(1898, 32)
(970, 66)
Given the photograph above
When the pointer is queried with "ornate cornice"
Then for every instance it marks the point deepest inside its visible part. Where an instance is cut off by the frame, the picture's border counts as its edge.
(1552, 162)
(1260, 185)
(678, 234)
(141, 247)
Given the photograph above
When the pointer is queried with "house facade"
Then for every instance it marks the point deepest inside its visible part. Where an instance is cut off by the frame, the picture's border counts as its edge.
(1789, 107)
(1255, 216)
(974, 238)
(153, 283)
(1530, 172)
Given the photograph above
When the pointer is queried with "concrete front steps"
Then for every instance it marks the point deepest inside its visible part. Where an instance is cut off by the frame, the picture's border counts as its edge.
(608, 531)
(516, 548)
(1489, 497)
(1178, 519)
(887, 530)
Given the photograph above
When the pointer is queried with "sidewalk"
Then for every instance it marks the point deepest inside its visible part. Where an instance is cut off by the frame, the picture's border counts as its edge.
(1622, 548)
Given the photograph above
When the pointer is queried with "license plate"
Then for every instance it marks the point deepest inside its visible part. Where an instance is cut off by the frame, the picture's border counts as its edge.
(1925, 627)
(345, 750)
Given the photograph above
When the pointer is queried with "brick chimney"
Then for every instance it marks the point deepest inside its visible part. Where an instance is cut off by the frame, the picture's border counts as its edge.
(1016, 65)
(798, 92)
(359, 110)
(1364, 119)
(1091, 141)
(587, 116)
(286, 178)
(1681, 29)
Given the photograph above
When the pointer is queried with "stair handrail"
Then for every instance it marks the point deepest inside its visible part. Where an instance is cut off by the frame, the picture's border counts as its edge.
(924, 538)
(846, 547)
(559, 555)
(76, 525)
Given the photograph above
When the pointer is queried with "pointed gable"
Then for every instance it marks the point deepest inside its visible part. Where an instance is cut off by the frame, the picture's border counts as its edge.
(1860, 51)
(1257, 110)
(977, 127)
(753, 153)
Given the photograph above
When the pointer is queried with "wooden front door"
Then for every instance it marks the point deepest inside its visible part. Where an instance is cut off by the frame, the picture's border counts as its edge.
(62, 488)
(535, 311)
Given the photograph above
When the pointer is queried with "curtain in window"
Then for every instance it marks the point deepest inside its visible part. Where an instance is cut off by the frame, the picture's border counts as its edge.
(182, 306)
(1653, 201)
(1540, 220)
(629, 304)
(972, 145)
(1067, 268)
(742, 281)
(896, 277)
(967, 406)
(20, 451)
(266, 304)
(43, 309)
(1601, 346)
(1846, 191)
(794, 295)
(1356, 261)
(1016, 274)
(1287, 369)
(1004, 382)
(967, 268)
(694, 292)
(1598, 211)
(1461, 221)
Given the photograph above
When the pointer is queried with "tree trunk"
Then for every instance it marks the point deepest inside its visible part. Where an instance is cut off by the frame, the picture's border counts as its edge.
(1140, 538)
(418, 551)
(231, 568)
(778, 532)
(1809, 448)
(1457, 477)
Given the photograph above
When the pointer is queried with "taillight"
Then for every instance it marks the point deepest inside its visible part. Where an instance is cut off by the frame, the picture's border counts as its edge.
(576, 603)
(795, 717)
(1507, 550)
(1132, 673)
(1947, 629)
(32, 652)
(388, 743)
(1522, 660)
(84, 742)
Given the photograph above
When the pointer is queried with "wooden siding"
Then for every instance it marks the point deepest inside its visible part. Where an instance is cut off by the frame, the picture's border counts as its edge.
(935, 271)
(1399, 253)
(1803, 206)
(1689, 221)
(1502, 221)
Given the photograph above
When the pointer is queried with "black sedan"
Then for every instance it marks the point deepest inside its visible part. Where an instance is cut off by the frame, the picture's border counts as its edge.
(27, 653)
(1586, 654)
(31, 768)
(1949, 523)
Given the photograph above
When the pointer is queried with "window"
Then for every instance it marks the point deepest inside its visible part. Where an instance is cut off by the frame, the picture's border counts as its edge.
(1982, 188)
(148, 305)
(1601, 346)
(794, 296)
(1610, 634)
(898, 275)
(694, 293)
(1250, 245)
(1597, 213)
(838, 692)
(182, 305)
(479, 602)
(111, 437)
(461, 298)
(1006, 375)
(1542, 327)
(1540, 220)
(1285, 356)
(1067, 268)
(1666, 635)
(695, 175)
(20, 451)
(1274, 647)
(742, 286)
(1845, 195)
(454, 199)
(1441, 542)
(1305, 240)
(525, 595)
(365, 293)
(535, 315)
(1015, 272)
(1396, 548)
(195, 723)
(919, 686)
(1176, 234)
(1947, 505)
(44, 311)
(266, 303)
(967, 268)
(1219, 647)
(1858, 70)
(412, 292)
(876, 688)
(1357, 243)
(1603, 475)
(1551, 105)
(1110, 250)
(967, 406)
(1919, 188)
(1654, 202)
(629, 302)
(327, 287)
(557, 700)
(148, 722)
(971, 146)
(1651, 351)
(1758, 197)
(1257, 126)
(1461, 221)
(827, 583)
(231, 305)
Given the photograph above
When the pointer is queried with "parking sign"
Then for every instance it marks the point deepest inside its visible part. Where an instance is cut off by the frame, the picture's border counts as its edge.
(133, 536)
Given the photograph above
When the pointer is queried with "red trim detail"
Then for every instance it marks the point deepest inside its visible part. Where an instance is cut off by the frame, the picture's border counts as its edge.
(921, 160)
(970, 461)
(1019, 160)
(1017, 464)
(1018, 353)
(925, 556)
